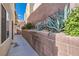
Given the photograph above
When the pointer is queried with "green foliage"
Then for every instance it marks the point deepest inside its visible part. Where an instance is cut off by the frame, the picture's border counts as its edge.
(72, 23)
(53, 23)
(56, 22)
(28, 26)
(41, 25)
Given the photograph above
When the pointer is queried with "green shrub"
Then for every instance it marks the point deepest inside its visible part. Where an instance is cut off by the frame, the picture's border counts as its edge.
(72, 23)
(28, 26)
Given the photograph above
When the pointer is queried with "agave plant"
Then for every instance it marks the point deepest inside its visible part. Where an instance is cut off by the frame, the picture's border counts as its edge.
(41, 25)
(56, 22)
(53, 23)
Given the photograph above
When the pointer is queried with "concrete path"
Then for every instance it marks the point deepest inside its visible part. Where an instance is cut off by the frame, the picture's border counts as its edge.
(20, 47)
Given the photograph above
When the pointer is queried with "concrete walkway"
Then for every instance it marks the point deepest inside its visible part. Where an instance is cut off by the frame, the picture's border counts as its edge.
(20, 47)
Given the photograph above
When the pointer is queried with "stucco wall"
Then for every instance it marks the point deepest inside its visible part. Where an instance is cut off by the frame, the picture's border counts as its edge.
(44, 10)
(4, 47)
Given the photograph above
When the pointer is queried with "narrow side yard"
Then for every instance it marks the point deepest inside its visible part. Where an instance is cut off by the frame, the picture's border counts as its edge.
(20, 47)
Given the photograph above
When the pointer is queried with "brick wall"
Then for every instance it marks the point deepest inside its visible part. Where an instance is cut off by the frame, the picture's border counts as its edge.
(67, 45)
(56, 44)
(43, 44)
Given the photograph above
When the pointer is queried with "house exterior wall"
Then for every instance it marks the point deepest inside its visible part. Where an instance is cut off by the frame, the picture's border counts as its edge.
(29, 10)
(36, 12)
(44, 10)
(36, 5)
(4, 47)
(31, 7)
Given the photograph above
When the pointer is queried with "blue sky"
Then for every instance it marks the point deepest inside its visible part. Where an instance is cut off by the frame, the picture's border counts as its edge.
(20, 10)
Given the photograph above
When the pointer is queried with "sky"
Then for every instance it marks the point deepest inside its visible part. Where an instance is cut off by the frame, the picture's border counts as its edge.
(20, 10)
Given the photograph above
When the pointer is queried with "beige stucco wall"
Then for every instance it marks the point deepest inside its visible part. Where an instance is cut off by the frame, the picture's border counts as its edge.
(4, 47)
(44, 10)
(29, 10)
(72, 5)
(36, 5)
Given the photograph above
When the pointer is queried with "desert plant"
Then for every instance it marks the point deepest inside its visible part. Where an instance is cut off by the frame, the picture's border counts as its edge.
(72, 23)
(53, 23)
(56, 22)
(41, 25)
